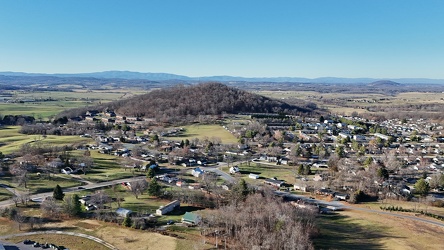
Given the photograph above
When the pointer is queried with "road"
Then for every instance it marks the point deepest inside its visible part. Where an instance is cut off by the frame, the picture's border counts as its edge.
(227, 177)
(42, 196)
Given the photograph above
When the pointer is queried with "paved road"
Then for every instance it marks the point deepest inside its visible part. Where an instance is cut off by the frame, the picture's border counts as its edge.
(22, 246)
(42, 196)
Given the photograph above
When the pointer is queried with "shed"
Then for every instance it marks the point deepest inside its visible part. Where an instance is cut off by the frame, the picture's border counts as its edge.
(123, 212)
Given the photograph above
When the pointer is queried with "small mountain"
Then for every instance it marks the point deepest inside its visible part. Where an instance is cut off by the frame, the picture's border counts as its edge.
(384, 83)
(199, 99)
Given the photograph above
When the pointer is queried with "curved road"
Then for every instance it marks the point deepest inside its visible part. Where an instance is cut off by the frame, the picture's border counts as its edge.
(108, 245)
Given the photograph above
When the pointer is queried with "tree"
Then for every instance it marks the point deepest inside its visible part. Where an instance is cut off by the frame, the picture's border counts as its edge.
(383, 173)
(151, 173)
(138, 187)
(240, 191)
(422, 187)
(127, 222)
(437, 181)
(368, 161)
(72, 205)
(340, 152)
(154, 188)
(58, 193)
(301, 169)
(50, 208)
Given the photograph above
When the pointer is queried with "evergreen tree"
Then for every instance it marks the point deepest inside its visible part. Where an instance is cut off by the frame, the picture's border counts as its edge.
(240, 191)
(72, 205)
(422, 187)
(301, 169)
(340, 152)
(154, 188)
(127, 222)
(383, 173)
(150, 174)
(58, 193)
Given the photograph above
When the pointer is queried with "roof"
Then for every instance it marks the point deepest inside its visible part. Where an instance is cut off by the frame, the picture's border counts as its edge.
(191, 218)
(123, 212)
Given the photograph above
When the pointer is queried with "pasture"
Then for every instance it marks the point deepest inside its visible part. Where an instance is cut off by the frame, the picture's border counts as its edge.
(11, 139)
(46, 104)
(362, 230)
(206, 131)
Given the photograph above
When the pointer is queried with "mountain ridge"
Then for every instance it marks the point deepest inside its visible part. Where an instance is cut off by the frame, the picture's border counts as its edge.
(116, 74)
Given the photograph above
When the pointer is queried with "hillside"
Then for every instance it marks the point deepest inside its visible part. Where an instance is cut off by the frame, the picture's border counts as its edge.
(384, 83)
(201, 99)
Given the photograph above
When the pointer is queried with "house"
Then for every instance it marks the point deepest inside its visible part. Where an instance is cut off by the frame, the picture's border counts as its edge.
(67, 170)
(197, 172)
(123, 212)
(341, 196)
(318, 177)
(274, 182)
(234, 170)
(253, 176)
(191, 218)
(168, 208)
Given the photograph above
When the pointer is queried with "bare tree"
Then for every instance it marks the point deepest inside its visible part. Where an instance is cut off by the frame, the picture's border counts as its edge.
(138, 187)
(100, 199)
(50, 208)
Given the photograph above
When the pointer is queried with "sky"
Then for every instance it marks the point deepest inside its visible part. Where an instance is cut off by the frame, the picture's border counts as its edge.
(250, 38)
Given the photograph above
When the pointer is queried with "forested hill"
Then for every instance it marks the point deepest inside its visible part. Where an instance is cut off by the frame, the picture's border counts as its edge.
(201, 99)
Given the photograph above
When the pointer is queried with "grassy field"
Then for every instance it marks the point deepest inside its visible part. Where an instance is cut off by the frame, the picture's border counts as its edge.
(71, 242)
(36, 184)
(361, 230)
(107, 167)
(268, 170)
(61, 100)
(11, 140)
(4, 195)
(206, 131)
(354, 99)
(118, 236)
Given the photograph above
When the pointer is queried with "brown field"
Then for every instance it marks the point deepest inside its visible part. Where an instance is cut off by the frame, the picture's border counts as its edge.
(362, 230)
(116, 235)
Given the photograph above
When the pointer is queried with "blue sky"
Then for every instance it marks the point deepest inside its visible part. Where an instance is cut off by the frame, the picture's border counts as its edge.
(311, 38)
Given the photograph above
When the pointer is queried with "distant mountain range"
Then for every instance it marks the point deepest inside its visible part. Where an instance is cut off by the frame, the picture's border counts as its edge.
(168, 77)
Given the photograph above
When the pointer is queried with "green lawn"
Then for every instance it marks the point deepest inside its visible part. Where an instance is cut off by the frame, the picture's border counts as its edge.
(267, 170)
(342, 232)
(37, 184)
(11, 140)
(62, 100)
(206, 131)
(4, 194)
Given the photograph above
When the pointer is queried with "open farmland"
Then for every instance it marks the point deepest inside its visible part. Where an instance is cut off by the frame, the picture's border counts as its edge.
(362, 230)
(116, 235)
(11, 140)
(347, 103)
(46, 104)
(206, 131)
